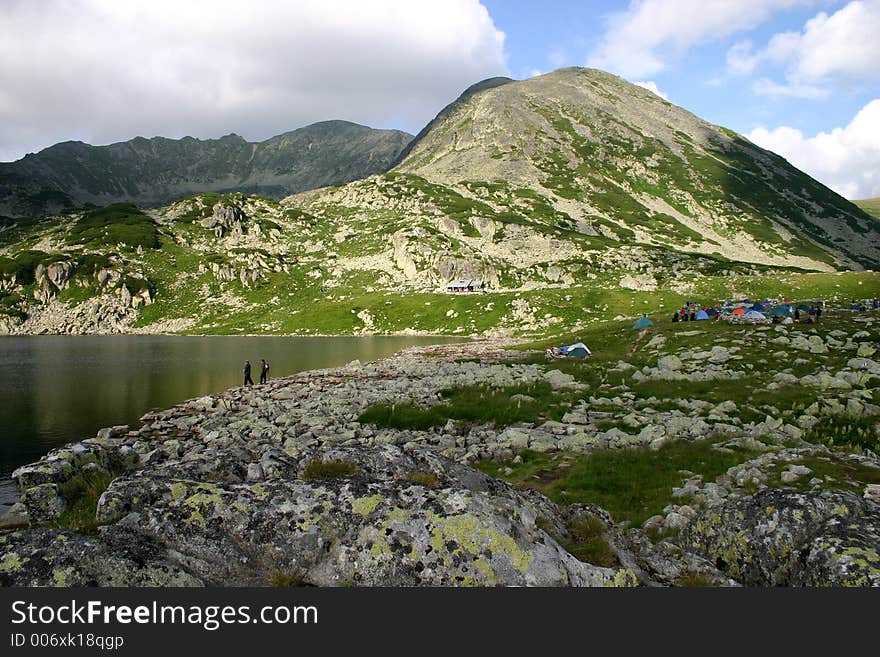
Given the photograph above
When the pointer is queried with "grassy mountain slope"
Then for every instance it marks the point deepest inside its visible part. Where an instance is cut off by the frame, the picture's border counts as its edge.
(617, 160)
(576, 196)
(280, 269)
(160, 170)
(870, 205)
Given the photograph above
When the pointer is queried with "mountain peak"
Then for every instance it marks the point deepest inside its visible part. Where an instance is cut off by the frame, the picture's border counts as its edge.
(620, 161)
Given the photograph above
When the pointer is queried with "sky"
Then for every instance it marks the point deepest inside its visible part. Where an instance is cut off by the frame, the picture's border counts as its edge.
(800, 77)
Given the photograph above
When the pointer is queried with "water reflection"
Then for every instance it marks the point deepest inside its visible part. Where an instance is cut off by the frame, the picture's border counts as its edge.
(56, 389)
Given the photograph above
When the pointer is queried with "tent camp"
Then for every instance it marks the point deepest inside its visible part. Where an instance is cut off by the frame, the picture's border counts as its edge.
(577, 350)
(643, 322)
(702, 315)
(780, 311)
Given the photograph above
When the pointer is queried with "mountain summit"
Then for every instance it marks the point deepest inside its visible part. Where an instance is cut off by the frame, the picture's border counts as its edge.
(573, 197)
(620, 161)
(160, 170)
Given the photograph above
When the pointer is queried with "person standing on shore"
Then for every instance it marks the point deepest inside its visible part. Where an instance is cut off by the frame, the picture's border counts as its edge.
(248, 381)
(264, 370)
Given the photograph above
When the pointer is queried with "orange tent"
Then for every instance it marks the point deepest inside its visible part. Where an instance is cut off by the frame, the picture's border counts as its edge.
(739, 311)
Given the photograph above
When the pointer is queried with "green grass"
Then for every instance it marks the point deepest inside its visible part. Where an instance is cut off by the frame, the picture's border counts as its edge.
(632, 485)
(426, 479)
(478, 404)
(870, 205)
(281, 579)
(119, 223)
(82, 493)
(317, 469)
(835, 470)
(844, 431)
(589, 543)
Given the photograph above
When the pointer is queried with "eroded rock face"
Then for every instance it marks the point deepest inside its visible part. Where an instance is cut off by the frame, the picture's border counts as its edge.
(785, 538)
(50, 557)
(401, 518)
(225, 218)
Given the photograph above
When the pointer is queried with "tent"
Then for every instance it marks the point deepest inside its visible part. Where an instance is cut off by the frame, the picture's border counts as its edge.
(702, 315)
(754, 314)
(739, 311)
(803, 307)
(576, 350)
(780, 311)
(758, 307)
(712, 312)
(643, 322)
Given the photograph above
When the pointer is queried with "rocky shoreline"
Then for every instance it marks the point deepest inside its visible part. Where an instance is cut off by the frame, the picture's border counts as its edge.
(281, 483)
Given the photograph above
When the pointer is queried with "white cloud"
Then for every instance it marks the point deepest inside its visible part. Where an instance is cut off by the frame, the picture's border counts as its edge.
(829, 48)
(846, 159)
(640, 40)
(767, 87)
(557, 57)
(650, 85)
(103, 70)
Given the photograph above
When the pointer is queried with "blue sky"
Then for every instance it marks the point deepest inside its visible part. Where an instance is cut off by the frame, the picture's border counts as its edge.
(541, 36)
(792, 75)
(799, 77)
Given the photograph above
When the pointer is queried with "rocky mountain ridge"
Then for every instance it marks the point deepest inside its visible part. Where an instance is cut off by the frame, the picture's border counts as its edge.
(573, 195)
(160, 170)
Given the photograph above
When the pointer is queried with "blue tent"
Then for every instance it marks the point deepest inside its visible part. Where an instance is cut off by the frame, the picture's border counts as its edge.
(643, 322)
(577, 350)
(781, 311)
(702, 315)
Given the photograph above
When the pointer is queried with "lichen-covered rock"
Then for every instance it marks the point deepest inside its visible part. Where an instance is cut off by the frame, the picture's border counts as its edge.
(40, 483)
(43, 502)
(399, 519)
(784, 538)
(50, 557)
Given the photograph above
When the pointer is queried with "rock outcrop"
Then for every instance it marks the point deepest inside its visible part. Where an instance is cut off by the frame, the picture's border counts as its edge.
(788, 538)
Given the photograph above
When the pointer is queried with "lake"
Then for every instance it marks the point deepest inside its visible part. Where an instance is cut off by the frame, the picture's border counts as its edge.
(59, 389)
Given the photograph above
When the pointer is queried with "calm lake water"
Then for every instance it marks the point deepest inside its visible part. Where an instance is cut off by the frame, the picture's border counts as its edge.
(59, 389)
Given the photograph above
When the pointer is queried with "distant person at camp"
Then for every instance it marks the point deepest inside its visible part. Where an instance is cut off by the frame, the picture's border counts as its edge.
(684, 315)
(693, 315)
(248, 381)
(264, 370)
(797, 314)
(875, 304)
(675, 316)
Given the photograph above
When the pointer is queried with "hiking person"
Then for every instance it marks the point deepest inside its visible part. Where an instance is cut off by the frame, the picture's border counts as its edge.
(248, 381)
(264, 370)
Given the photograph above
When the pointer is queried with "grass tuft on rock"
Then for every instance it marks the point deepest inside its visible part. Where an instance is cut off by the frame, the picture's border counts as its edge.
(82, 493)
(282, 580)
(426, 479)
(589, 543)
(335, 469)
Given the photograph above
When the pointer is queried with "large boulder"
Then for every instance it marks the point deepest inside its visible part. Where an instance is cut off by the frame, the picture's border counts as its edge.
(780, 537)
(51, 557)
(364, 516)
